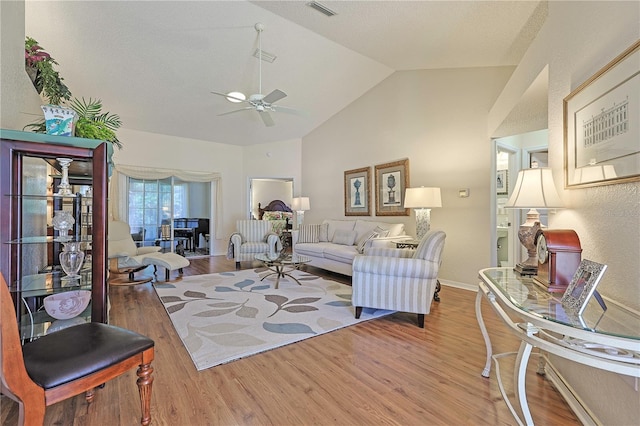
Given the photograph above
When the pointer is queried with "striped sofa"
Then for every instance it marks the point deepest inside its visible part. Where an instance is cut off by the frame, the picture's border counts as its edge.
(398, 279)
(330, 249)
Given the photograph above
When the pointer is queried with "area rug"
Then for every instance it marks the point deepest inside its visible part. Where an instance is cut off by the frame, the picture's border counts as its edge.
(227, 316)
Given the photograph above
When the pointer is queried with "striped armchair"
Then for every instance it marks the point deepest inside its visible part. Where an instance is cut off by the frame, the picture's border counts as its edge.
(253, 237)
(398, 279)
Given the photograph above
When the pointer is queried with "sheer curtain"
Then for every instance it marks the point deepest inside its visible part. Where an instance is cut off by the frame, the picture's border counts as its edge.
(118, 198)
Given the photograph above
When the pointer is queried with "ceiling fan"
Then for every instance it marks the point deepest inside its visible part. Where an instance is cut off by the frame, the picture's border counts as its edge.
(259, 102)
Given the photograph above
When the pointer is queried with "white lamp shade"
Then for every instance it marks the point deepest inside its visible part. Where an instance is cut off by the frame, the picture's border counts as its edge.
(300, 204)
(422, 198)
(534, 189)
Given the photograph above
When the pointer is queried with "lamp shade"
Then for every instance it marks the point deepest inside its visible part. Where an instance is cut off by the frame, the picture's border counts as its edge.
(534, 189)
(422, 198)
(300, 204)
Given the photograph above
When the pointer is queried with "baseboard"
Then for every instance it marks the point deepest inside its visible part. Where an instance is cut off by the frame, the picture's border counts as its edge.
(457, 284)
(583, 413)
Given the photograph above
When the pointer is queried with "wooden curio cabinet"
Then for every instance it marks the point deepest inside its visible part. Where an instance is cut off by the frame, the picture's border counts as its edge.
(29, 170)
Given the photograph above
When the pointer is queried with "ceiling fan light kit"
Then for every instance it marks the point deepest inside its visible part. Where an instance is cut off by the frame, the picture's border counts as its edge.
(263, 104)
(236, 97)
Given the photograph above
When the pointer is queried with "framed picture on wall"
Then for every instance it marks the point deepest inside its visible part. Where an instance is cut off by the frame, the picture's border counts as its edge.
(502, 184)
(357, 192)
(391, 181)
(602, 125)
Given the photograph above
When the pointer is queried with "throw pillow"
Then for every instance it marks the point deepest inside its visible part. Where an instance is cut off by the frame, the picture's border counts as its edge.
(363, 241)
(308, 233)
(381, 232)
(344, 237)
(324, 232)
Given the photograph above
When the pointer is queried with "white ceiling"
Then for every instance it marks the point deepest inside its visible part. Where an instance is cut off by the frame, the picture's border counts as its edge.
(155, 62)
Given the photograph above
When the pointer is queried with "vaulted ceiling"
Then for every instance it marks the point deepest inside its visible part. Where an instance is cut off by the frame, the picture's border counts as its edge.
(155, 63)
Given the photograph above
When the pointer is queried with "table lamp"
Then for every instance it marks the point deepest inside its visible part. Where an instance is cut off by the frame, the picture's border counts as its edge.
(300, 205)
(534, 188)
(422, 200)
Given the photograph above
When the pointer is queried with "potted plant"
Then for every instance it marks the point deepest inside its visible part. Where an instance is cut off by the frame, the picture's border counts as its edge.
(47, 81)
(91, 123)
(95, 124)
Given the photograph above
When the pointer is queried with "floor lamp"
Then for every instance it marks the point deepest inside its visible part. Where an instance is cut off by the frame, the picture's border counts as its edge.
(422, 200)
(300, 205)
(534, 189)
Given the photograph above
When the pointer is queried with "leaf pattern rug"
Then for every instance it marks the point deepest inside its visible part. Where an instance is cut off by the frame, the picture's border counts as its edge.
(231, 315)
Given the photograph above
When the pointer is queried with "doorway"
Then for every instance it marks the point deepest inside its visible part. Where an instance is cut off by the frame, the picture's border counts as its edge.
(514, 153)
(264, 190)
(170, 213)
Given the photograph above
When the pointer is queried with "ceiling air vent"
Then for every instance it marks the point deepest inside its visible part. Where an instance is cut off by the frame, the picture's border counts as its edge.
(321, 8)
(265, 56)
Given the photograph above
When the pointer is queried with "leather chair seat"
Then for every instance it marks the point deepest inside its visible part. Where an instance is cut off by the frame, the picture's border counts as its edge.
(78, 351)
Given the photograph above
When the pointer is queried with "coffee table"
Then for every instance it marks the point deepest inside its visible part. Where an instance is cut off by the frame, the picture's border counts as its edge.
(281, 266)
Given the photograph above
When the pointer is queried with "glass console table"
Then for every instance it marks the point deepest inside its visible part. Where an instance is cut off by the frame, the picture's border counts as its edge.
(607, 339)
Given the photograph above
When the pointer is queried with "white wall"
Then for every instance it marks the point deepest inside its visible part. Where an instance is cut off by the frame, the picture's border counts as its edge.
(578, 39)
(438, 120)
(19, 102)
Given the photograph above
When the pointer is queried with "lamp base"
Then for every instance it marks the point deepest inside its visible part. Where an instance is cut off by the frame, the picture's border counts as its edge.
(423, 222)
(525, 269)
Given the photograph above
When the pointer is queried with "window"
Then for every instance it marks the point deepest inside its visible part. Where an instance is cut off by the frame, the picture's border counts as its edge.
(150, 206)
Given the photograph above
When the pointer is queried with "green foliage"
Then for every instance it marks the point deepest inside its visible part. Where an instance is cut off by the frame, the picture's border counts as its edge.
(47, 80)
(93, 123)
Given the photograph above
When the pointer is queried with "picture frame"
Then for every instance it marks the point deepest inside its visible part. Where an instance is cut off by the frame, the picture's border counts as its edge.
(602, 125)
(391, 181)
(357, 192)
(502, 182)
(582, 286)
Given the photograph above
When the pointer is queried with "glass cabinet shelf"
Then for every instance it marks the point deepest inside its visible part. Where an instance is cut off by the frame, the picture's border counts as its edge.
(50, 283)
(42, 196)
(41, 239)
(37, 324)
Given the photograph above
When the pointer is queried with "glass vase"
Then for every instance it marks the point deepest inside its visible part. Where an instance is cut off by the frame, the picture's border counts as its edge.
(71, 258)
(62, 222)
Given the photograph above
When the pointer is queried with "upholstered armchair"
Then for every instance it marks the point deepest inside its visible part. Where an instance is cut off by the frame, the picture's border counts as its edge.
(398, 279)
(253, 237)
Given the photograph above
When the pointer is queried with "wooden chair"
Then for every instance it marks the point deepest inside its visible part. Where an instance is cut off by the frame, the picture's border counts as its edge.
(69, 362)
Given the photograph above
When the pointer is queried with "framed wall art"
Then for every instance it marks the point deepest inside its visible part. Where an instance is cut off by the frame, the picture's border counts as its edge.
(391, 181)
(502, 184)
(602, 125)
(357, 192)
(582, 286)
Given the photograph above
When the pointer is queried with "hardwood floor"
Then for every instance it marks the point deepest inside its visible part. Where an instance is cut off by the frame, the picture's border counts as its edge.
(385, 371)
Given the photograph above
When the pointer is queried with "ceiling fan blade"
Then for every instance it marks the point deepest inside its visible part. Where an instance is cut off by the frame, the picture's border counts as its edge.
(289, 110)
(228, 96)
(266, 118)
(236, 110)
(274, 96)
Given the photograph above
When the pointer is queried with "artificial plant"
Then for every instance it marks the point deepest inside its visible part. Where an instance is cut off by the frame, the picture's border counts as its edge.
(92, 122)
(40, 67)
